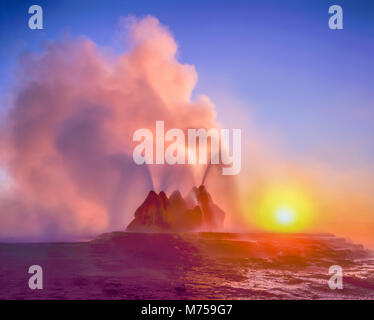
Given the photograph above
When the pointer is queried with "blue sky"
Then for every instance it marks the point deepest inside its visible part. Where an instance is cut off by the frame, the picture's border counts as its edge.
(278, 60)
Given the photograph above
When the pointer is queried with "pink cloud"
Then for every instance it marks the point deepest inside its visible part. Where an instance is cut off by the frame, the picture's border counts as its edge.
(67, 139)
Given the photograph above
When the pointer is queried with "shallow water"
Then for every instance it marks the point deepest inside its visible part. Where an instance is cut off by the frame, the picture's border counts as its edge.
(189, 266)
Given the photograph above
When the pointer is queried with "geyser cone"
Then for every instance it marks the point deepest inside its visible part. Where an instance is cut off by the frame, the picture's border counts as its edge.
(160, 213)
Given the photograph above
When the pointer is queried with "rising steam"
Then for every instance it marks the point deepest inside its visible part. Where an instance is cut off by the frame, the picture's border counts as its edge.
(67, 139)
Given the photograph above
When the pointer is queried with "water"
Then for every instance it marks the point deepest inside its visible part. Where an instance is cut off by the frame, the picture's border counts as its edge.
(189, 266)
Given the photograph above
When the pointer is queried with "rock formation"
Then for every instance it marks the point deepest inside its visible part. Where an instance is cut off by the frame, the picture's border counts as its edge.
(159, 213)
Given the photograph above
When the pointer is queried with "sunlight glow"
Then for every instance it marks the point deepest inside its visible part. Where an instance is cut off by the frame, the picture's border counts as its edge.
(283, 209)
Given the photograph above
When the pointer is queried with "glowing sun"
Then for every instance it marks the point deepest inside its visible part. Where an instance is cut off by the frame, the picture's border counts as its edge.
(283, 209)
(284, 215)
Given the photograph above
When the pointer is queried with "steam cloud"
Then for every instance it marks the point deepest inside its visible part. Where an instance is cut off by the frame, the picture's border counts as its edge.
(67, 140)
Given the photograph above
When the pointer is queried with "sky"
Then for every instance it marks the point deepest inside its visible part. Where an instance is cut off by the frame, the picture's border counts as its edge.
(279, 61)
(270, 66)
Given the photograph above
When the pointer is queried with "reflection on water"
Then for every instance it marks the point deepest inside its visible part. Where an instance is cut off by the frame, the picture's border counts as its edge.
(189, 266)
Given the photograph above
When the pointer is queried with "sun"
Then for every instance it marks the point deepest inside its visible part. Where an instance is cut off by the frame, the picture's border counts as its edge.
(283, 209)
(285, 215)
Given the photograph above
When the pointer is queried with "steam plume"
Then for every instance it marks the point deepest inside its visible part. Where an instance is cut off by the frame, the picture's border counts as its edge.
(67, 139)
